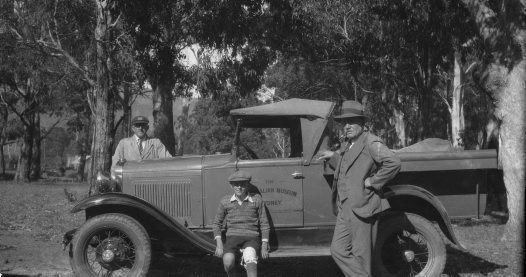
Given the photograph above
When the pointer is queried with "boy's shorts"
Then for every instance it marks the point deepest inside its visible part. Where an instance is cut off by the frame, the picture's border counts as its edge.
(234, 243)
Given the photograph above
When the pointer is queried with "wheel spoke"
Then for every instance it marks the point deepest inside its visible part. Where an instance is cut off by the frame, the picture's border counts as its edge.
(119, 238)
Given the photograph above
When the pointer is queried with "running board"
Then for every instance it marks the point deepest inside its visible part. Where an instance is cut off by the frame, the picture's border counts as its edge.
(300, 252)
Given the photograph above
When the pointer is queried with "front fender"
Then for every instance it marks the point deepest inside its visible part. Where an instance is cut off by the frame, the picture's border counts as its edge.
(392, 192)
(125, 200)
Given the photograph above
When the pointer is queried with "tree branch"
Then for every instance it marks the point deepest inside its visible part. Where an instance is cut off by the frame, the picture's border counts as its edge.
(89, 97)
(13, 109)
(71, 60)
(117, 124)
(16, 33)
(112, 25)
(444, 99)
(43, 136)
(486, 21)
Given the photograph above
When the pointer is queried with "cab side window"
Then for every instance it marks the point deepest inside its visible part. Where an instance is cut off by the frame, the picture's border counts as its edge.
(269, 143)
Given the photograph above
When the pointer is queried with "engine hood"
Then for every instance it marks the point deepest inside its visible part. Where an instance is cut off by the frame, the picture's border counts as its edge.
(179, 163)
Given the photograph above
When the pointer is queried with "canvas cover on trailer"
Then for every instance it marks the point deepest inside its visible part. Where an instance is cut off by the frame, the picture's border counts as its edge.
(309, 116)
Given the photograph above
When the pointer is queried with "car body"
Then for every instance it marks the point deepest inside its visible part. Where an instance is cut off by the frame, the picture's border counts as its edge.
(175, 200)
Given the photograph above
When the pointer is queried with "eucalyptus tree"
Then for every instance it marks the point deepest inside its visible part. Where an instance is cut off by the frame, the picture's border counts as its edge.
(87, 36)
(27, 77)
(502, 72)
(395, 56)
(162, 29)
(3, 136)
(158, 38)
(36, 65)
(372, 47)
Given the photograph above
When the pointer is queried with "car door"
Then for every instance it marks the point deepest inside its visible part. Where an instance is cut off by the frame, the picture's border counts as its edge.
(279, 181)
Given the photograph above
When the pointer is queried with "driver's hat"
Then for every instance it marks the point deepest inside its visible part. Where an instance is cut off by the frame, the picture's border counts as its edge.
(140, 120)
(239, 176)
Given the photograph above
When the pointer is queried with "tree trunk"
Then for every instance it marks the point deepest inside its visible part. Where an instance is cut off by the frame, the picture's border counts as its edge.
(23, 169)
(3, 138)
(82, 144)
(509, 88)
(91, 164)
(510, 109)
(104, 96)
(126, 111)
(182, 127)
(2, 158)
(36, 160)
(457, 103)
(399, 123)
(81, 176)
(163, 114)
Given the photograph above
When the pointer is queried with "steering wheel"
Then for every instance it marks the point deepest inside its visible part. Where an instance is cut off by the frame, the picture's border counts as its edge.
(251, 153)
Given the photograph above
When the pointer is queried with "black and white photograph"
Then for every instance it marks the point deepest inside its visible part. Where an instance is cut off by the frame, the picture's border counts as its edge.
(271, 138)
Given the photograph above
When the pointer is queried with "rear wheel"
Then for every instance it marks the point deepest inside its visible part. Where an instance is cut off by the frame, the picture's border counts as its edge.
(111, 245)
(408, 245)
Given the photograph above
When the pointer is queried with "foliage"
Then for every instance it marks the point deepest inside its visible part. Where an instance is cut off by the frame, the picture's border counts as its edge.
(162, 29)
(54, 150)
(36, 80)
(211, 130)
(386, 54)
(210, 127)
(208, 133)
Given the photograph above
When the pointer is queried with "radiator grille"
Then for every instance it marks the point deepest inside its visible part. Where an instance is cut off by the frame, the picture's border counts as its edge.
(172, 197)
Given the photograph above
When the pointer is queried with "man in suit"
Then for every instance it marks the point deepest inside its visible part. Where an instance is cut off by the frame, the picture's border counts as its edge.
(362, 166)
(139, 146)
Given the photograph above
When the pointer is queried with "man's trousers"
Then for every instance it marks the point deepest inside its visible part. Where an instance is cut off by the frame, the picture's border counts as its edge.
(353, 241)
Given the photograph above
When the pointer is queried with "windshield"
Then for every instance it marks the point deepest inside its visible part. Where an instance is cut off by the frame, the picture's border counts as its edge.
(269, 143)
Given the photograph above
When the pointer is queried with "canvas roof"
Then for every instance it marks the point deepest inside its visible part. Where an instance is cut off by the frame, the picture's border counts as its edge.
(309, 115)
(289, 107)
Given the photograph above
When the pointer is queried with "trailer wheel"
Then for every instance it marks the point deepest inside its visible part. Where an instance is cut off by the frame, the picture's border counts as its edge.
(408, 245)
(111, 245)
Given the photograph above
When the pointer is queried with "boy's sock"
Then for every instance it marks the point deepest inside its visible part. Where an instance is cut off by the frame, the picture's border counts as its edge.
(232, 272)
(252, 269)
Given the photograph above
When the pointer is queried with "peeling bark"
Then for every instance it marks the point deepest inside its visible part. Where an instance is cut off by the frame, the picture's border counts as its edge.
(512, 129)
(3, 138)
(399, 123)
(457, 103)
(104, 96)
(504, 35)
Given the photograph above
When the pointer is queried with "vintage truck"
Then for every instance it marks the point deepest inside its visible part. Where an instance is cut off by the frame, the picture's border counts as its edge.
(168, 205)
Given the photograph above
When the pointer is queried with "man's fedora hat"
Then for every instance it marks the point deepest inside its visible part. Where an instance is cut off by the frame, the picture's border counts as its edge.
(140, 120)
(350, 109)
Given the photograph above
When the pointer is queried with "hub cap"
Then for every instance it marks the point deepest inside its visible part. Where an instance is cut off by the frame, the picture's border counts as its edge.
(107, 256)
(409, 256)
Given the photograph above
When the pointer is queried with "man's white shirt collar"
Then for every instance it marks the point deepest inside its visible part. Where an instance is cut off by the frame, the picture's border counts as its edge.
(234, 198)
(137, 139)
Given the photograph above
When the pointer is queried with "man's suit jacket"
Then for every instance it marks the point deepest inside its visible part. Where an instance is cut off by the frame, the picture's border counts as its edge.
(128, 149)
(368, 158)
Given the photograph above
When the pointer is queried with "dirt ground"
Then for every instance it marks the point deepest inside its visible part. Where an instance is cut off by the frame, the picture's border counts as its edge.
(34, 217)
(25, 256)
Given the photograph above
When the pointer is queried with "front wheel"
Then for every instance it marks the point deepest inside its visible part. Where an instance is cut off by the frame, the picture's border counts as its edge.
(111, 245)
(408, 245)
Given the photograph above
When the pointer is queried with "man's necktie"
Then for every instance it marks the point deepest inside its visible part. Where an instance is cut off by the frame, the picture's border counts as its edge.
(139, 143)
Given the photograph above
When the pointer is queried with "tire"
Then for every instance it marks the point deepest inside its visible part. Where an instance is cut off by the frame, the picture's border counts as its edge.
(119, 238)
(408, 245)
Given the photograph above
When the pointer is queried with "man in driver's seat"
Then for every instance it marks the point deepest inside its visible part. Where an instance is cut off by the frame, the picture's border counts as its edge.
(247, 228)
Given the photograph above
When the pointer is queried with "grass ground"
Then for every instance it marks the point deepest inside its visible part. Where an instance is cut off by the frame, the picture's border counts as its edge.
(33, 218)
